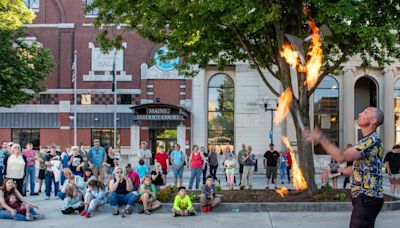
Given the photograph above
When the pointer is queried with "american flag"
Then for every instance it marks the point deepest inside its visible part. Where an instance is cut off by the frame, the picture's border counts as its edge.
(113, 76)
(74, 69)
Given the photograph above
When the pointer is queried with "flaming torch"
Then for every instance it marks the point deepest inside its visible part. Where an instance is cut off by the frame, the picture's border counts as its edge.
(299, 182)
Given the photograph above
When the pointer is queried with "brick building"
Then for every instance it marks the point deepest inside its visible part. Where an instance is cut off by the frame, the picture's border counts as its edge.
(63, 26)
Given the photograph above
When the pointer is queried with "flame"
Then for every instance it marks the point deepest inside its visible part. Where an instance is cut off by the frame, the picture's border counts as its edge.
(299, 182)
(282, 191)
(315, 62)
(291, 57)
(285, 100)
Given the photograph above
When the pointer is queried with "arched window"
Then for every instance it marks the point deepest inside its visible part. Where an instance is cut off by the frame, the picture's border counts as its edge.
(397, 111)
(220, 111)
(326, 110)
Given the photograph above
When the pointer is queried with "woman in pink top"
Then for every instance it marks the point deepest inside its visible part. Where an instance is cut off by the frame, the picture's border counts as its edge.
(134, 176)
(30, 170)
(196, 164)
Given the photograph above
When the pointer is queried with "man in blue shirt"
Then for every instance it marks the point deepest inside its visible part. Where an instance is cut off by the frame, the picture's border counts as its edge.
(3, 155)
(97, 156)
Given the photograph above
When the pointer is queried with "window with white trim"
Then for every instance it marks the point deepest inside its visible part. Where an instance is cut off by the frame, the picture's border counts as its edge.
(92, 13)
(33, 5)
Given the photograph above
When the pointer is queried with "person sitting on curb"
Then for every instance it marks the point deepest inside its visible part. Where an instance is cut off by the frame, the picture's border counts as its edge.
(73, 180)
(121, 188)
(147, 194)
(94, 198)
(208, 199)
(72, 202)
(182, 204)
(133, 176)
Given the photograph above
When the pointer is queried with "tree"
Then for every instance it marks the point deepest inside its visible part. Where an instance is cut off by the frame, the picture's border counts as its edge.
(23, 65)
(225, 31)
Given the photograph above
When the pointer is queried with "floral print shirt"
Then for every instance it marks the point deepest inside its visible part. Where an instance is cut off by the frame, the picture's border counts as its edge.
(367, 171)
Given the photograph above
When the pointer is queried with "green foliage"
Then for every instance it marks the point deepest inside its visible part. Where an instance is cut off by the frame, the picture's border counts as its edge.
(13, 14)
(218, 188)
(23, 67)
(194, 196)
(326, 186)
(167, 194)
(340, 196)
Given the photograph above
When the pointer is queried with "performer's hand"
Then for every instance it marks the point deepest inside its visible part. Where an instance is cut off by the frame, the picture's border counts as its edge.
(313, 135)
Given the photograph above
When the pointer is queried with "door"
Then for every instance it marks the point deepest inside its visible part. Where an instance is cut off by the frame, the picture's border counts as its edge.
(162, 137)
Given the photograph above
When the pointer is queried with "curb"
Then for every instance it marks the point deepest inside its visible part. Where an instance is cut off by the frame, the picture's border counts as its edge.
(284, 207)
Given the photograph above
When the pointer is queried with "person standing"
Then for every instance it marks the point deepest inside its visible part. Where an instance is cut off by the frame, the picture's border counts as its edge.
(196, 164)
(15, 166)
(145, 154)
(75, 162)
(392, 165)
(83, 153)
(282, 166)
(3, 155)
(248, 168)
(213, 161)
(178, 162)
(30, 170)
(348, 164)
(289, 164)
(53, 171)
(366, 186)
(230, 166)
(41, 157)
(271, 165)
(242, 153)
(162, 158)
(205, 163)
(97, 157)
(110, 163)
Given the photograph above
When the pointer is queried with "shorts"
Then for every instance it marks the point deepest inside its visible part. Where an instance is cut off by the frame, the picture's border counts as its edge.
(240, 168)
(272, 171)
(97, 171)
(396, 176)
(109, 170)
(165, 171)
(178, 173)
(41, 174)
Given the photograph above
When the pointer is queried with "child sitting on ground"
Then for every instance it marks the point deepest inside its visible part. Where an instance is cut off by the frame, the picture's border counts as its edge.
(21, 208)
(94, 198)
(183, 204)
(142, 169)
(208, 199)
(72, 203)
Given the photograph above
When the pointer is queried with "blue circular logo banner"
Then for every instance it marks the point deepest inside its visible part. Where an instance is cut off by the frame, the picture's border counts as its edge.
(166, 65)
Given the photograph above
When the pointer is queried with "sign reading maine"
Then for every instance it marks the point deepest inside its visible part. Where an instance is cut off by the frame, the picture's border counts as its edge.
(166, 111)
(158, 117)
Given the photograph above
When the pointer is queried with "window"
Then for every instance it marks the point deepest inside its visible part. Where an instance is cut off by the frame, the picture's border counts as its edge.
(125, 99)
(326, 110)
(106, 136)
(221, 111)
(33, 5)
(24, 136)
(86, 98)
(45, 99)
(397, 111)
(92, 13)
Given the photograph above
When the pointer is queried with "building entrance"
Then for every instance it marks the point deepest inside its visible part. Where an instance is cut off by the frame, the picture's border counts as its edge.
(162, 137)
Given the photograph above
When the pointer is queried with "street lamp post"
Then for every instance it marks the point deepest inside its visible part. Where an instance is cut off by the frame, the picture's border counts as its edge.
(271, 104)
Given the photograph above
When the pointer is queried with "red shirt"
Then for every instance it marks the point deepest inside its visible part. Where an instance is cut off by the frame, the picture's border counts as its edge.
(162, 158)
(288, 157)
(197, 162)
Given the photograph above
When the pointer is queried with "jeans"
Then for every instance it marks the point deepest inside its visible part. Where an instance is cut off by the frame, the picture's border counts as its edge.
(48, 182)
(178, 173)
(205, 173)
(122, 199)
(1, 174)
(288, 169)
(61, 195)
(4, 214)
(195, 173)
(282, 171)
(213, 171)
(30, 173)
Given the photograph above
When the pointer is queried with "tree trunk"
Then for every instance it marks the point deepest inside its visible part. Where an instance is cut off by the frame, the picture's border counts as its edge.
(304, 149)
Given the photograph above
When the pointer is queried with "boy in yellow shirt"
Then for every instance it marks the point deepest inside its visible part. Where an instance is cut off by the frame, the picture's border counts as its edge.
(183, 204)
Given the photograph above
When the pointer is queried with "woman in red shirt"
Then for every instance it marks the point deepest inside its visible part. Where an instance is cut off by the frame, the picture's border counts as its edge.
(289, 164)
(196, 160)
(162, 158)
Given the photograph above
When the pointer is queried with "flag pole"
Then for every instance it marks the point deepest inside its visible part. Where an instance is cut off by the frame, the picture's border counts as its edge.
(115, 100)
(74, 76)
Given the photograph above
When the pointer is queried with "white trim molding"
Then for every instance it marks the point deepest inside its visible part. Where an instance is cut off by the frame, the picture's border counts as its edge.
(59, 25)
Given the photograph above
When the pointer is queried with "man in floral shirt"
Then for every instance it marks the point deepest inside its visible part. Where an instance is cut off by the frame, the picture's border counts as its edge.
(367, 154)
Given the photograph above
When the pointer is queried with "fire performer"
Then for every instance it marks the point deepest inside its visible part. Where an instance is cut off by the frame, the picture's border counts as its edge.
(367, 154)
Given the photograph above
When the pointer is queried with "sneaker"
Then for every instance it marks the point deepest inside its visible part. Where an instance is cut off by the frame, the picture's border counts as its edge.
(40, 191)
(83, 213)
(276, 187)
(34, 194)
(204, 210)
(267, 187)
(87, 215)
(47, 198)
(282, 182)
(209, 209)
(192, 213)
(38, 216)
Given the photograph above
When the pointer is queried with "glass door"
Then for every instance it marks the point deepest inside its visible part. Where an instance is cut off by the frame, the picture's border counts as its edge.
(162, 137)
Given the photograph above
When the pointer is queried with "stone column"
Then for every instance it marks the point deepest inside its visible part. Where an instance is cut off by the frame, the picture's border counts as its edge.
(388, 108)
(135, 143)
(348, 105)
(181, 136)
